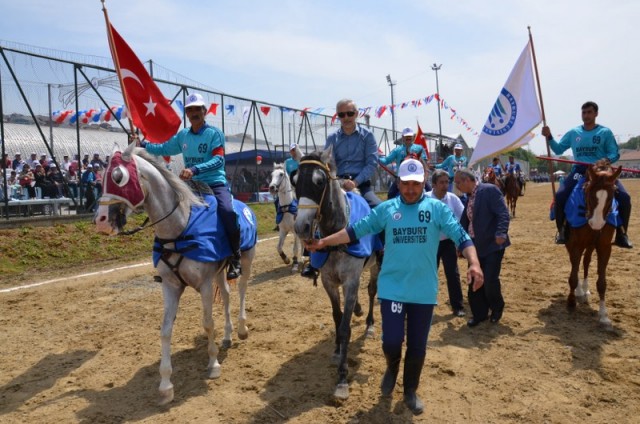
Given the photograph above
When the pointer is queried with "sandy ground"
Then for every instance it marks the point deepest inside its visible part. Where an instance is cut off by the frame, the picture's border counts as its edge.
(87, 349)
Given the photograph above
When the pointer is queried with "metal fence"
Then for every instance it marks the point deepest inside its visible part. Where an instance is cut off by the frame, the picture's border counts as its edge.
(38, 86)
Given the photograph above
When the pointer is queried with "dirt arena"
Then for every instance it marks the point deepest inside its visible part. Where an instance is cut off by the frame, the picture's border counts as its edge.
(87, 350)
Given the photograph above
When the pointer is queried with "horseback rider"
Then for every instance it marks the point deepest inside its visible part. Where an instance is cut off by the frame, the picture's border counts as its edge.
(400, 153)
(513, 167)
(589, 142)
(497, 167)
(202, 148)
(356, 154)
(453, 163)
(290, 166)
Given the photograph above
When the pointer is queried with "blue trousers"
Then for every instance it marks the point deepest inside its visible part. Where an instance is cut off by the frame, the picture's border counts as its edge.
(418, 323)
(228, 215)
(489, 296)
(447, 253)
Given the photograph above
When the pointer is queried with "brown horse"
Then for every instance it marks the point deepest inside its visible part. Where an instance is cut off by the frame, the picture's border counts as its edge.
(489, 176)
(599, 189)
(511, 192)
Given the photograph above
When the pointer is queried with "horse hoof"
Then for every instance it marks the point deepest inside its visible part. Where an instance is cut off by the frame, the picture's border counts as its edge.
(341, 392)
(214, 372)
(166, 396)
(286, 261)
(370, 333)
(295, 268)
(226, 344)
(243, 335)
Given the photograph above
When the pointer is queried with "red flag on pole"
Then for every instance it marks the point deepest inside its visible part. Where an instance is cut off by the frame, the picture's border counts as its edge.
(150, 111)
(422, 141)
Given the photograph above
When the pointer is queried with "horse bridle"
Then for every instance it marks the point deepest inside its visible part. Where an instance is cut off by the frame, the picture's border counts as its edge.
(119, 219)
(318, 206)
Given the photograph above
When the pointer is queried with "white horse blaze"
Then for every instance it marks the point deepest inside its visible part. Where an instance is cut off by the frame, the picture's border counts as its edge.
(598, 219)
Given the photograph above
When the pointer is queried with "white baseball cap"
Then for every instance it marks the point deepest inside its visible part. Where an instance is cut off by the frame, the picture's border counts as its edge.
(411, 170)
(458, 146)
(407, 132)
(293, 146)
(194, 99)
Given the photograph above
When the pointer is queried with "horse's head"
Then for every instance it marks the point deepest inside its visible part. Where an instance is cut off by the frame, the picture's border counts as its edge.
(316, 185)
(121, 192)
(278, 176)
(599, 190)
(489, 175)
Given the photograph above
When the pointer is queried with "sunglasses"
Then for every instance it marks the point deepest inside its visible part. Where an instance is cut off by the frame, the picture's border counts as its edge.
(350, 114)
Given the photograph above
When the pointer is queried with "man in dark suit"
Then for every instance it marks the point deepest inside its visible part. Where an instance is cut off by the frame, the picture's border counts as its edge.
(486, 219)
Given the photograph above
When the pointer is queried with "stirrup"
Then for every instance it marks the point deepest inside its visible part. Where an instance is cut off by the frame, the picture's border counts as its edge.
(234, 270)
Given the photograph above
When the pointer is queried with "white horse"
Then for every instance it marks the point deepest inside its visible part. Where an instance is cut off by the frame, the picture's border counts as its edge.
(134, 180)
(280, 186)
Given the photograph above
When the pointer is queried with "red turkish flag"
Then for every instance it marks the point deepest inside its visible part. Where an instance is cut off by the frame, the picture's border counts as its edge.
(422, 142)
(150, 111)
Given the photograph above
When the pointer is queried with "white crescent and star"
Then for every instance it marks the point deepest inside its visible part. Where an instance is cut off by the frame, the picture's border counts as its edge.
(150, 105)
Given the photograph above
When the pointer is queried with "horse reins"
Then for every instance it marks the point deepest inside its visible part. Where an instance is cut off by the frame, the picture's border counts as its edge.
(317, 206)
(145, 225)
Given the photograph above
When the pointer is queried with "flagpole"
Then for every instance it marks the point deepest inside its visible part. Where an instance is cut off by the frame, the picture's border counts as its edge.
(544, 119)
(117, 65)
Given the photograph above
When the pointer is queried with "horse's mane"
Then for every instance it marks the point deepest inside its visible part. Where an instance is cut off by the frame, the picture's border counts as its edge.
(182, 190)
(279, 166)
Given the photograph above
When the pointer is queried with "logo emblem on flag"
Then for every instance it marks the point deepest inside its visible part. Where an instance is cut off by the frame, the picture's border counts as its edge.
(503, 115)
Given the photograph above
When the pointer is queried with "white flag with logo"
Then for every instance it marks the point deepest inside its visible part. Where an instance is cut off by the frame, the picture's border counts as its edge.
(514, 114)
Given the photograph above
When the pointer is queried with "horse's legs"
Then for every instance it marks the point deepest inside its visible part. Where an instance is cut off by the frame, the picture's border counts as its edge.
(350, 289)
(171, 296)
(575, 255)
(247, 261)
(372, 289)
(224, 290)
(297, 252)
(604, 253)
(282, 236)
(206, 296)
(582, 291)
(334, 298)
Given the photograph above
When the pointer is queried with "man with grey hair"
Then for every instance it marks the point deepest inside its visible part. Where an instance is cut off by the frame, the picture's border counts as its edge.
(356, 153)
(486, 219)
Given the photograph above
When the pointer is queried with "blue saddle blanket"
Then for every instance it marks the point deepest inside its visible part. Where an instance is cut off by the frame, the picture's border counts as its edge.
(575, 208)
(364, 247)
(291, 208)
(204, 238)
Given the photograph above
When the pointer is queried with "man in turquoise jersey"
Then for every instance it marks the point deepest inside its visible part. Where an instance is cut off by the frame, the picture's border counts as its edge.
(408, 293)
(202, 148)
(589, 142)
(453, 163)
(290, 166)
(400, 153)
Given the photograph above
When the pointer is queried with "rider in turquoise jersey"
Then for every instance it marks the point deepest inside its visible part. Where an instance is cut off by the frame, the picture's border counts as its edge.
(453, 163)
(202, 148)
(408, 292)
(589, 143)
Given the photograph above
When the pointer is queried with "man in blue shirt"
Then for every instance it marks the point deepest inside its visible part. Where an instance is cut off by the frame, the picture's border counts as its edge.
(290, 166)
(412, 224)
(356, 154)
(589, 143)
(202, 148)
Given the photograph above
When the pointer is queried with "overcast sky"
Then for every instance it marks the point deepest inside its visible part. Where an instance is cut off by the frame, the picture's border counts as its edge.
(312, 53)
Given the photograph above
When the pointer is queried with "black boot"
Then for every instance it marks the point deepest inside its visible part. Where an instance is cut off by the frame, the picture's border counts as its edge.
(391, 374)
(235, 269)
(622, 239)
(412, 371)
(560, 238)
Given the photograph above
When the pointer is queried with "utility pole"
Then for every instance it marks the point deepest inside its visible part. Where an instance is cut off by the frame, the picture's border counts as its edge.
(437, 68)
(393, 112)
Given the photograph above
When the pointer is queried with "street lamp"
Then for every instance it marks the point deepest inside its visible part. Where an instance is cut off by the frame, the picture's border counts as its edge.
(437, 68)
(393, 113)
